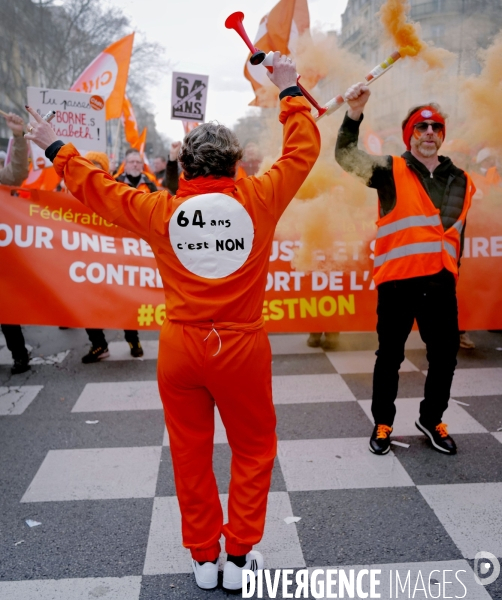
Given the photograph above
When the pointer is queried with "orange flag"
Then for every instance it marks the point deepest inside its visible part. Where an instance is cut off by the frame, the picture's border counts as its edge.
(278, 30)
(141, 142)
(131, 130)
(107, 75)
(188, 126)
(140, 146)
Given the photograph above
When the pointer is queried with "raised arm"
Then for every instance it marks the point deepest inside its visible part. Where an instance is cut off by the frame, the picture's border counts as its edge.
(17, 169)
(171, 178)
(114, 201)
(374, 170)
(301, 143)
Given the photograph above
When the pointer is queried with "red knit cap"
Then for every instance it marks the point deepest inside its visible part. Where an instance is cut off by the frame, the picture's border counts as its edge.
(427, 113)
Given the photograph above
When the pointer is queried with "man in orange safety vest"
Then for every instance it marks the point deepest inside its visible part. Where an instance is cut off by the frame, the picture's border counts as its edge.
(423, 203)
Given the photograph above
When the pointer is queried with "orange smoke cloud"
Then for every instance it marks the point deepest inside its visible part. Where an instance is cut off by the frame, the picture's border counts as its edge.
(483, 98)
(331, 217)
(266, 96)
(394, 14)
(321, 178)
(313, 57)
(333, 213)
(334, 228)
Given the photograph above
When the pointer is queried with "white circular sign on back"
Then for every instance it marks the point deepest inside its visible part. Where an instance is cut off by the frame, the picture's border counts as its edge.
(212, 235)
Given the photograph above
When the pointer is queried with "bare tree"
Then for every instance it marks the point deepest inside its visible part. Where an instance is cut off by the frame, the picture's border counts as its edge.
(48, 45)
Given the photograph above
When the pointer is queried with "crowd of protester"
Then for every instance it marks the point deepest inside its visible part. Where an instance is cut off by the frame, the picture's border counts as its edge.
(483, 165)
(133, 171)
(423, 201)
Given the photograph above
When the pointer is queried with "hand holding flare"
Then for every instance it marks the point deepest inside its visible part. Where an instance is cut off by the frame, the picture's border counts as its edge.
(372, 76)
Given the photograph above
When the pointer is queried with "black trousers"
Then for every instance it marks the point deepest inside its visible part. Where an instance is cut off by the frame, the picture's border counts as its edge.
(432, 301)
(15, 341)
(97, 337)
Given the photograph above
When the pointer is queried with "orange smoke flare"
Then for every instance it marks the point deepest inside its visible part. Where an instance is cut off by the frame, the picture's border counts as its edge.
(394, 17)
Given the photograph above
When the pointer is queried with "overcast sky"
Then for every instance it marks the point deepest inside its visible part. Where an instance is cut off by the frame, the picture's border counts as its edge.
(196, 41)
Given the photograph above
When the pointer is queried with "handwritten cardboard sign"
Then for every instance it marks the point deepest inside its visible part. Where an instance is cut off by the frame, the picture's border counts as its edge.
(80, 119)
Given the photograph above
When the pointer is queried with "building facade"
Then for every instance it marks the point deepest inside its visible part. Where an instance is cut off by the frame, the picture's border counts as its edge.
(463, 27)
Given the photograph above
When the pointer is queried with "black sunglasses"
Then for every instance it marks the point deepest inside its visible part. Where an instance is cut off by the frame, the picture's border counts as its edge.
(423, 127)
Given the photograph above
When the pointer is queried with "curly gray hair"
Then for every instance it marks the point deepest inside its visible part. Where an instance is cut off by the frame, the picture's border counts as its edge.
(210, 149)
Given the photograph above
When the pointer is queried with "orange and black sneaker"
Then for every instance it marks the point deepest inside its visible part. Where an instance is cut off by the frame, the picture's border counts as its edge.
(380, 439)
(438, 436)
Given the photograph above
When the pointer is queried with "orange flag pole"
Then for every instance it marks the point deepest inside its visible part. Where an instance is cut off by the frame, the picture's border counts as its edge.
(117, 140)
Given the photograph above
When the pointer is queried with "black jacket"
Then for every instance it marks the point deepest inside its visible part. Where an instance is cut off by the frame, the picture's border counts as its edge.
(137, 181)
(446, 186)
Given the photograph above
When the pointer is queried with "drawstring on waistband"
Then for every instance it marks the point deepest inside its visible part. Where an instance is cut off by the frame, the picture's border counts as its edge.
(253, 327)
(219, 339)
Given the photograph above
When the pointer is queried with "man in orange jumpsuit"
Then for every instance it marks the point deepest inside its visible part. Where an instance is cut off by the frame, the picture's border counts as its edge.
(212, 242)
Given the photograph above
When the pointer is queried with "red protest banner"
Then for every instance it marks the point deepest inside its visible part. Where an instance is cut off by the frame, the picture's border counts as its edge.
(339, 295)
(61, 264)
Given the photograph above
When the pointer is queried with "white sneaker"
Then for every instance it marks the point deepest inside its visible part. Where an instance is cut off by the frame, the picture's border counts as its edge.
(232, 574)
(206, 575)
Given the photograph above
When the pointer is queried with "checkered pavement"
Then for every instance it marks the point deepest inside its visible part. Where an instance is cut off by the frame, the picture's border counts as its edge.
(84, 452)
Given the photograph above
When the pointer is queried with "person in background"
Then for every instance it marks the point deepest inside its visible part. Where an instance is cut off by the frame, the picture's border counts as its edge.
(329, 342)
(250, 163)
(17, 169)
(459, 153)
(159, 169)
(465, 340)
(251, 159)
(485, 173)
(423, 199)
(134, 174)
(99, 345)
(113, 166)
(173, 169)
(14, 174)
